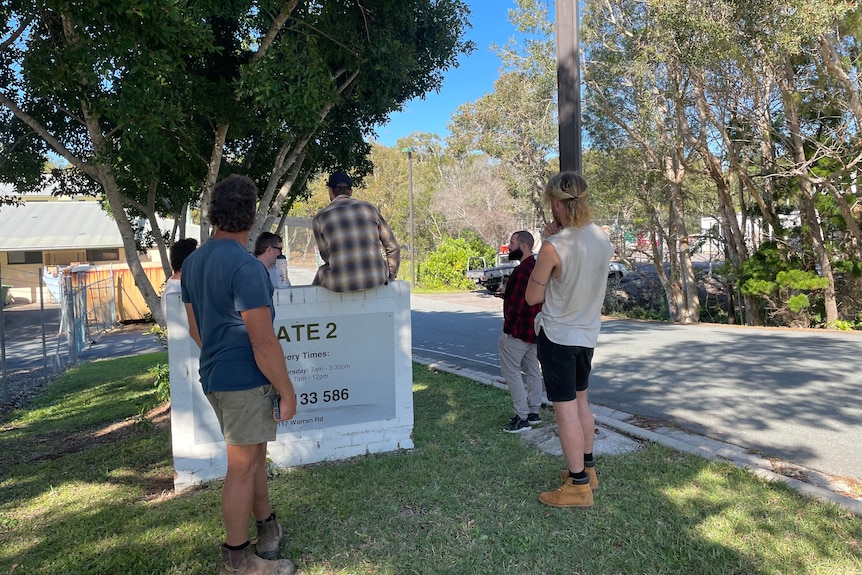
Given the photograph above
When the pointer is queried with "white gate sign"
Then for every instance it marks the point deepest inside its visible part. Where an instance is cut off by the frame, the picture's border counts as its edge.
(349, 357)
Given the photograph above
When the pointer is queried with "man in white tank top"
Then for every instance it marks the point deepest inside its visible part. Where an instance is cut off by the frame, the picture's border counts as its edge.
(570, 279)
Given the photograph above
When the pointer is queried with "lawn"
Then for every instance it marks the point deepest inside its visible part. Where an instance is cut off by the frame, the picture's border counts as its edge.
(85, 488)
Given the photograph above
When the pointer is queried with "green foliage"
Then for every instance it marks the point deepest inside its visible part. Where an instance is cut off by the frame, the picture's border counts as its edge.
(11, 200)
(446, 266)
(159, 333)
(133, 94)
(798, 303)
(648, 314)
(161, 375)
(844, 325)
(800, 280)
(786, 290)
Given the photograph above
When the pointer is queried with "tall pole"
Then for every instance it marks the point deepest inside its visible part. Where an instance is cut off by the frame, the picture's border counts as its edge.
(6, 393)
(409, 152)
(569, 85)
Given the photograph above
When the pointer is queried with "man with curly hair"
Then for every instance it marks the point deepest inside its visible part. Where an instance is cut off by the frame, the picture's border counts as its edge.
(228, 299)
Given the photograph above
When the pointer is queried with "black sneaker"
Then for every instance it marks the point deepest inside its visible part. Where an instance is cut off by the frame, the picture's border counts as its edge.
(533, 418)
(517, 425)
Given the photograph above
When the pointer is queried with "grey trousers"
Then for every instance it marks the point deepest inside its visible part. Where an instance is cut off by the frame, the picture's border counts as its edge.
(515, 356)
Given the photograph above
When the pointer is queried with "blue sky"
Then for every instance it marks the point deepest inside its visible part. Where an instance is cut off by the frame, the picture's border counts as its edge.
(470, 81)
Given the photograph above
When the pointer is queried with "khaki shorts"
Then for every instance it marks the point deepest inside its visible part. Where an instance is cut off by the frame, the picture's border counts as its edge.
(245, 417)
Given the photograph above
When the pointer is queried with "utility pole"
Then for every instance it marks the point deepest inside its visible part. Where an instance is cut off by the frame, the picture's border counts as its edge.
(569, 85)
(409, 152)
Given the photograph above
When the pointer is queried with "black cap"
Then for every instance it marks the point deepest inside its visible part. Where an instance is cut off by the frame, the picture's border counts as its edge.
(339, 178)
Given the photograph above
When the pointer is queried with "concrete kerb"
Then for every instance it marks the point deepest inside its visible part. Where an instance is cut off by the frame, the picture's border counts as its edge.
(694, 444)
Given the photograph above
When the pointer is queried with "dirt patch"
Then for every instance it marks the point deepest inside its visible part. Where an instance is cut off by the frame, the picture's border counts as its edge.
(22, 386)
(51, 446)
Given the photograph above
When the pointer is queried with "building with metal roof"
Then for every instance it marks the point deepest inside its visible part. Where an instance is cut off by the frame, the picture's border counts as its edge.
(47, 232)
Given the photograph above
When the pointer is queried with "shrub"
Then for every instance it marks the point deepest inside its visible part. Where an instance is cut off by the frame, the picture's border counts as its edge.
(446, 266)
(791, 296)
(161, 375)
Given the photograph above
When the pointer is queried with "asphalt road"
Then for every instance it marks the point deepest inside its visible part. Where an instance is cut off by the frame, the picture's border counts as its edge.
(792, 394)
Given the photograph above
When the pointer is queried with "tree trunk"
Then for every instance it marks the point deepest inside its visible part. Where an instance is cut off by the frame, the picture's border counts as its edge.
(212, 175)
(808, 213)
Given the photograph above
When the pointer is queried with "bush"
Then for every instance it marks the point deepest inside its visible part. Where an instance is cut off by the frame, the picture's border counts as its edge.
(446, 266)
(791, 296)
(161, 375)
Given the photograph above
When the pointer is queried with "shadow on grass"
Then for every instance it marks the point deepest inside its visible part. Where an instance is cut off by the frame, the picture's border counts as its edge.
(464, 500)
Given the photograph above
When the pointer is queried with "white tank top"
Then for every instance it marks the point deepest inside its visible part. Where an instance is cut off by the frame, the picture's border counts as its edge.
(571, 314)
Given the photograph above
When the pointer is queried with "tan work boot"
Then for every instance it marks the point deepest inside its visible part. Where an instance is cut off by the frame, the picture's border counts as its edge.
(568, 494)
(591, 472)
(244, 562)
(594, 479)
(269, 537)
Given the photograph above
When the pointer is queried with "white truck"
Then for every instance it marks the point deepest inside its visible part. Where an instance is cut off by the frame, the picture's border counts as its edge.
(494, 278)
(491, 278)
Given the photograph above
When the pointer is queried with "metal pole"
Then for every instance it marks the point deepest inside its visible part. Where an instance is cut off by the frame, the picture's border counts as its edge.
(409, 152)
(569, 85)
(72, 336)
(6, 392)
(42, 315)
(412, 232)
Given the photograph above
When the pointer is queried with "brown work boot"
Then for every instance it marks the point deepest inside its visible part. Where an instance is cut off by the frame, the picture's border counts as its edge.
(244, 562)
(568, 494)
(594, 479)
(591, 472)
(269, 537)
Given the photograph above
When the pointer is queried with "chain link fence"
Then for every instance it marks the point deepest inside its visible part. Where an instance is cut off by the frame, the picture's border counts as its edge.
(43, 338)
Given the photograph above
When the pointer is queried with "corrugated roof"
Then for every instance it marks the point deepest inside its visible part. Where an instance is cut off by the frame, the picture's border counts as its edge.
(57, 225)
(61, 225)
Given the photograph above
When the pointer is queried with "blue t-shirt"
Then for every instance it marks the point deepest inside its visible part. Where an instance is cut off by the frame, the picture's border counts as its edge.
(220, 279)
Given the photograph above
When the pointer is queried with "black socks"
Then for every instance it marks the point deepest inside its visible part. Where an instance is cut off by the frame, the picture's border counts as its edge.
(579, 478)
(267, 520)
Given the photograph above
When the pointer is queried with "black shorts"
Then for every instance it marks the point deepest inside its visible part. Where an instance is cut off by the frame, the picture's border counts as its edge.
(566, 368)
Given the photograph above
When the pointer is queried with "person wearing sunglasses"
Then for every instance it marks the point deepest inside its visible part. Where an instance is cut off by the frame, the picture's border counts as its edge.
(267, 247)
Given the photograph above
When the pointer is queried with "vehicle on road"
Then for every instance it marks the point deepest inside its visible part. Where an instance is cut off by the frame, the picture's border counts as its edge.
(494, 278)
(616, 270)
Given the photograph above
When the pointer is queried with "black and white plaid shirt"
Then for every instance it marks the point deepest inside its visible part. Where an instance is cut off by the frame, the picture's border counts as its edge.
(349, 235)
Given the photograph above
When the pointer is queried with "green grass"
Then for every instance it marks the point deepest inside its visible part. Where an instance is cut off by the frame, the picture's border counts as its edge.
(463, 501)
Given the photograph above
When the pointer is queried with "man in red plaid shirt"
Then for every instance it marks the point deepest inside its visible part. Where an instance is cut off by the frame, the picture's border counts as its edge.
(517, 343)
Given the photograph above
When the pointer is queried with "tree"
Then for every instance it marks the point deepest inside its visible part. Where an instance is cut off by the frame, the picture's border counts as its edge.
(388, 187)
(154, 102)
(88, 82)
(516, 123)
(767, 112)
(621, 39)
(473, 196)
